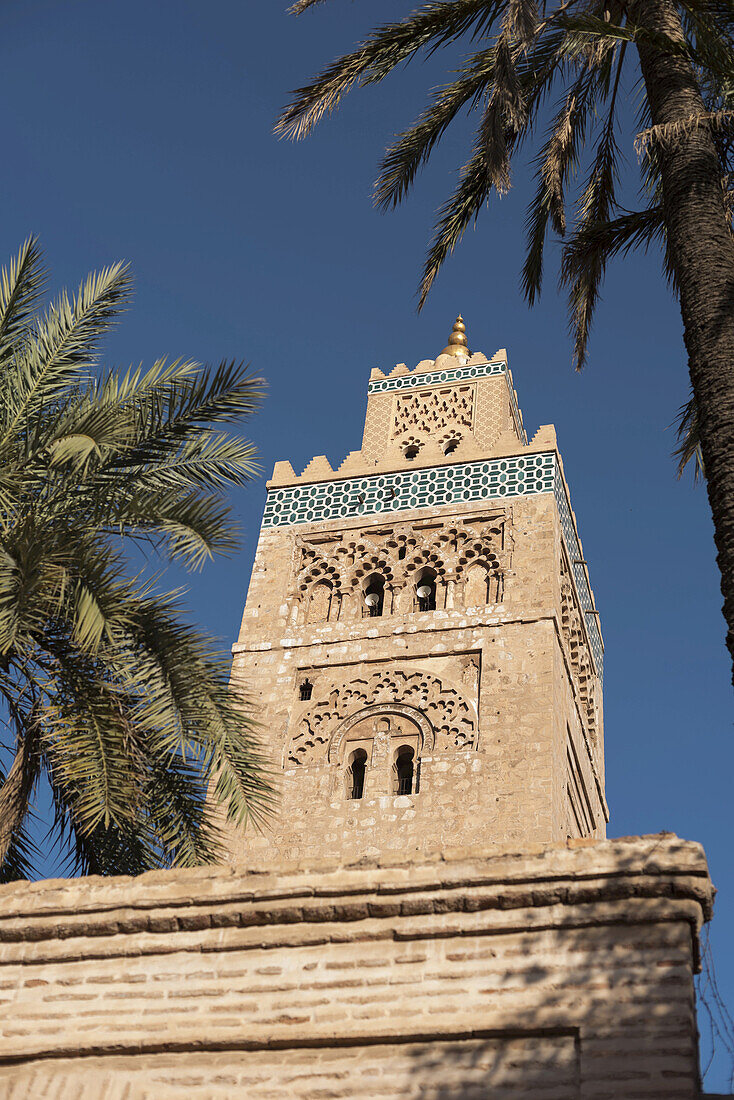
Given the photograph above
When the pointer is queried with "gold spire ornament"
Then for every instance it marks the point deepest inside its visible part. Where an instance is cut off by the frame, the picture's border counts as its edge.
(457, 344)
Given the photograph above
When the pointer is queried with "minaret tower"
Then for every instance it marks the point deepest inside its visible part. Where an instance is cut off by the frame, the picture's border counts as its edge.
(420, 635)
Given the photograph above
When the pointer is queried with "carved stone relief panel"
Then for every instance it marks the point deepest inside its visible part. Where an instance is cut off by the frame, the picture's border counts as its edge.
(574, 635)
(439, 711)
(466, 560)
(427, 412)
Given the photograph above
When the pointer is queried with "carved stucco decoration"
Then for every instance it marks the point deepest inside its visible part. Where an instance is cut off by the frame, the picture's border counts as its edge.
(425, 414)
(398, 555)
(574, 635)
(448, 720)
(341, 734)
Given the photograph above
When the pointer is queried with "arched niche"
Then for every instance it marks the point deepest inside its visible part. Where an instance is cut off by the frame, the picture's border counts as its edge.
(362, 725)
(320, 601)
(477, 585)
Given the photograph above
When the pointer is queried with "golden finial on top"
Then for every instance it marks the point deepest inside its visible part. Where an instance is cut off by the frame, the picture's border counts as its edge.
(457, 344)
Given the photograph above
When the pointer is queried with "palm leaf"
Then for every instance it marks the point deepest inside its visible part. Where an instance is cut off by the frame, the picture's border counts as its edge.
(131, 703)
(21, 284)
(431, 26)
(689, 440)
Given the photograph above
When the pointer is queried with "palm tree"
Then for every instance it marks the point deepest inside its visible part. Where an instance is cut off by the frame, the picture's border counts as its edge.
(680, 52)
(106, 692)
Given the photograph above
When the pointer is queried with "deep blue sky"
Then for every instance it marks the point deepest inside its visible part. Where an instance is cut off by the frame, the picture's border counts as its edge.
(142, 131)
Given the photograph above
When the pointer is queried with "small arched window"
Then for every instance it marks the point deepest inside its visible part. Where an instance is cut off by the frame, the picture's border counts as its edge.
(403, 771)
(425, 590)
(306, 690)
(374, 595)
(451, 445)
(411, 452)
(356, 771)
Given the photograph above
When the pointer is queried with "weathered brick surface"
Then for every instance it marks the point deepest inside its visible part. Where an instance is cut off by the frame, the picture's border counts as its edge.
(566, 969)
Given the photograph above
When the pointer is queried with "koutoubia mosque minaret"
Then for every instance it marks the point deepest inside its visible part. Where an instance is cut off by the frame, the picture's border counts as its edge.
(420, 631)
(434, 912)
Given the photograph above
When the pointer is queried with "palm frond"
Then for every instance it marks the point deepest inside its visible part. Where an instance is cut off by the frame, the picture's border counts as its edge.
(595, 208)
(689, 440)
(413, 148)
(432, 25)
(130, 702)
(303, 5)
(64, 342)
(515, 91)
(557, 159)
(487, 170)
(22, 857)
(21, 285)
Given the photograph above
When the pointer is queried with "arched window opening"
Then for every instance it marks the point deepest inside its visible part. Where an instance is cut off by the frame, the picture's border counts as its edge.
(425, 590)
(356, 771)
(403, 770)
(402, 551)
(306, 690)
(411, 452)
(451, 445)
(374, 595)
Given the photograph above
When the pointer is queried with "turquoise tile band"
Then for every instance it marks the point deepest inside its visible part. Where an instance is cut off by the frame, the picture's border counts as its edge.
(434, 377)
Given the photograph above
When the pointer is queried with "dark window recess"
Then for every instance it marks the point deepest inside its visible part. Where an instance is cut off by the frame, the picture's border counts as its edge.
(411, 452)
(404, 772)
(451, 446)
(425, 590)
(374, 595)
(306, 690)
(402, 552)
(357, 770)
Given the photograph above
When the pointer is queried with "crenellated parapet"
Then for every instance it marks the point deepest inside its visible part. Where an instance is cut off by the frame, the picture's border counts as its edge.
(449, 409)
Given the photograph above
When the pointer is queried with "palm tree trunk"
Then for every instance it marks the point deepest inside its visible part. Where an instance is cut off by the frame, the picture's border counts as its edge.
(16, 790)
(702, 254)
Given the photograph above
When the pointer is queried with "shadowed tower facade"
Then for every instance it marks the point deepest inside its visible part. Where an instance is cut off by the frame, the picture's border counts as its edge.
(420, 635)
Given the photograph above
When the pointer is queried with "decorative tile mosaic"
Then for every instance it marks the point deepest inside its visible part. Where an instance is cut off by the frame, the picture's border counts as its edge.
(431, 378)
(470, 482)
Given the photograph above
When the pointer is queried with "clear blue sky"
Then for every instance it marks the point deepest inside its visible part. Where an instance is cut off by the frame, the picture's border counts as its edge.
(142, 131)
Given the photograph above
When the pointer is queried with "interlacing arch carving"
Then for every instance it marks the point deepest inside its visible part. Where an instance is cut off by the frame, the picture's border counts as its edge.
(428, 557)
(410, 445)
(578, 651)
(451, 716)
(373, 563)
(466, 560)
(320, 590)
(449, 441)
(426, 413)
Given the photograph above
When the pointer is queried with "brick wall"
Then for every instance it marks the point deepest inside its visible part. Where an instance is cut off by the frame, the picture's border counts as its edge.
(562, 973)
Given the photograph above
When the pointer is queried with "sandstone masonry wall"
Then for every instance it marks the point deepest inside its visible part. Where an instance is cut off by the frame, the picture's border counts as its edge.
(563, 973)
(522, 765)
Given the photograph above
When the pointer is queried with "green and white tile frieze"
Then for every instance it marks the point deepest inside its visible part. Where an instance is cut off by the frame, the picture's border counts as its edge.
(434, 377)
